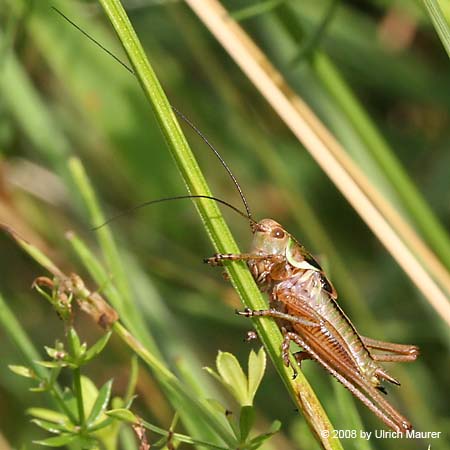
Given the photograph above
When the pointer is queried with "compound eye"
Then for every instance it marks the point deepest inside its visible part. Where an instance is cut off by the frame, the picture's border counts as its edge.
(278, 233)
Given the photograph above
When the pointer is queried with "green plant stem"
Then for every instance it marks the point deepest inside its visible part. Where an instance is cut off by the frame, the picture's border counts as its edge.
(215, 226)
(78, 391)
(57, 396)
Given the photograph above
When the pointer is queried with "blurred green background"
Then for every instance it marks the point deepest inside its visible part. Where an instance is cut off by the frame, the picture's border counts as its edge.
(61, 96)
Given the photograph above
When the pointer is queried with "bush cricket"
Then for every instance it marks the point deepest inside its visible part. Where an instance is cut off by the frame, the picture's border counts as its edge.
(304, 303)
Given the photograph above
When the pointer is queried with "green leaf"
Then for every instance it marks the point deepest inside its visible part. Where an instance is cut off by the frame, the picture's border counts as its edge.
(57, 441)
(214, 374)
(41, 291)
(42, 388)
(100, 425)
(256, 369)
(83, 348)
(118, 402)
(48, 415)
(97, 348)
(100, 403)
(14, 329)
(55, 353)
(55, 364)
(22, 371)
(132, 381)
(70, 401)
(74, 343)
(257, 441)
(246, 420)
(90, 394)
(51, 427)
(233, 377)
(122, 414)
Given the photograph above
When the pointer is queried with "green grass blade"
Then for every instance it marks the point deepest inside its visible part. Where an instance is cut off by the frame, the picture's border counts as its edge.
(210, 214)
(123, 302)
(345, 402)
(107, 243)
(17, 334)
(29, 109)
(440, 22)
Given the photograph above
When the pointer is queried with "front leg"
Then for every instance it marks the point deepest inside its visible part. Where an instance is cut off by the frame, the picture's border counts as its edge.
(219, 258)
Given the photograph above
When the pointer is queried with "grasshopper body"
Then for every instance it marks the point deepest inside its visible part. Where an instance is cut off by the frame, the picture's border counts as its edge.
(304, 302)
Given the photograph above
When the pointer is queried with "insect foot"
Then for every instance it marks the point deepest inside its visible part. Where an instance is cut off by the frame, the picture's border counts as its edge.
(215, 260)
(302, 356)
(250, 336)
(246, 313)
(219, 258)
(286, 352)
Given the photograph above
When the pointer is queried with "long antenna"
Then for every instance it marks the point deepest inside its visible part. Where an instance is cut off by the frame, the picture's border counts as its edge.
(224, 164)
(177, 112)
(178, 197)
(97, 43)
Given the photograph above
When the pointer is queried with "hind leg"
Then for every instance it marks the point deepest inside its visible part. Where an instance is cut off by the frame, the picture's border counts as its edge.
(396, 352)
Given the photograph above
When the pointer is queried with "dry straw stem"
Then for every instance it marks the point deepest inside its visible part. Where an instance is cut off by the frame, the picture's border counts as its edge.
(373, 208)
